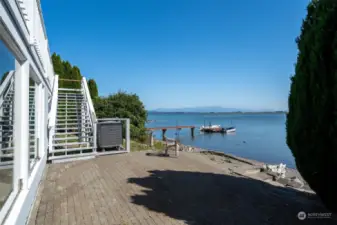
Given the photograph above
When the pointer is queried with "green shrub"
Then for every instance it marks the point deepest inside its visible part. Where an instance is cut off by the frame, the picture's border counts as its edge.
(312, 118)
(124, 105)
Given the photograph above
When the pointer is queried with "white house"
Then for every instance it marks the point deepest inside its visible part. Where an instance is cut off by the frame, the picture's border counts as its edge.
(29, 104)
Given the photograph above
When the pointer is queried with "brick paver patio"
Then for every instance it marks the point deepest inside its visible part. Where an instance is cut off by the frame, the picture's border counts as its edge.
(139, 189)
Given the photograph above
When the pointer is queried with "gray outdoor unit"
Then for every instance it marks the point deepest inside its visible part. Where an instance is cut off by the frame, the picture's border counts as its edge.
(109, 134)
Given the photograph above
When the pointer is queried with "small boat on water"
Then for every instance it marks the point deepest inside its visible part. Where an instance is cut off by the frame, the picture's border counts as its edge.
(230, 129)
(212, 129)
(217, 129)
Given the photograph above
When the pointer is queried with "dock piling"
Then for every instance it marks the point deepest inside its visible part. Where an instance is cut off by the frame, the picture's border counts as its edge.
(151, 139)
(163, 134)
(192, 132)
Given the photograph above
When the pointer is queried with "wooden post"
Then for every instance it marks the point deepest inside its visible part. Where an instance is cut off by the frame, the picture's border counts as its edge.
(163, 134)
(151, 139)
(192, 132)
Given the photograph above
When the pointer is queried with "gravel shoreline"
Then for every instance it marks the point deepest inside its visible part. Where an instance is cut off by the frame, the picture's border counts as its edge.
(249, 168)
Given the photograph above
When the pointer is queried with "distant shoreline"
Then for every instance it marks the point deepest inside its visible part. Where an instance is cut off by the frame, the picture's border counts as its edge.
(239, 112)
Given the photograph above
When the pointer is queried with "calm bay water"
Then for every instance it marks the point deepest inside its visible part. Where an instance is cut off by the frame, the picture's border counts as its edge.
(260, 137)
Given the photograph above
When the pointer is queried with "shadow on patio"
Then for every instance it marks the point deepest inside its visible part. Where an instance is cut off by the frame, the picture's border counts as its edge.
(208, 198)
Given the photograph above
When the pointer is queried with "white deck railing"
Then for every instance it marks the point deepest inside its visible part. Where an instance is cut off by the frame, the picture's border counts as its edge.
(53, 109)
(53, 112)
(91, 109)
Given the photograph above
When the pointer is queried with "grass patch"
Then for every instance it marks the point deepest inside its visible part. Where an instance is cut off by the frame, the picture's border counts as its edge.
(137, 146)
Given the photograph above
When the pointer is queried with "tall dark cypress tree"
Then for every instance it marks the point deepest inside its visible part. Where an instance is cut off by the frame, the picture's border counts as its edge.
(93, 88)
(66, 71)
(312, 117)
(67, 74)
(58, 67)
(76, 75)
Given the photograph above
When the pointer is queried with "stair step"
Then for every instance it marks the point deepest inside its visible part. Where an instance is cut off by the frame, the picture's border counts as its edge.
(71, 104)
(68, 128)
(72, 120)
(71, 97)
(72, 117)
(12, 148)
(71, 143)
(68, 149)
(63, 124)
(74, 103)
(74, 112)
(66, 109)
(72, 133)
(72, 138)
(70, 93)
(72, 100)
(71, 89)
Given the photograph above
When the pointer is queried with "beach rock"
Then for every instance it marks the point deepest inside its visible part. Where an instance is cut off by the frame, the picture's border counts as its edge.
(295, 182)
(279, 170)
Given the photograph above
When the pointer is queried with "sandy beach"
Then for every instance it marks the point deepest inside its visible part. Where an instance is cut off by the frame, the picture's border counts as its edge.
(250, 168)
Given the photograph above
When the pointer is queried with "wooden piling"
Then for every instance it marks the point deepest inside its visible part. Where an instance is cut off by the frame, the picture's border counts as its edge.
(151, 139)
(163, 134)
(192, 132)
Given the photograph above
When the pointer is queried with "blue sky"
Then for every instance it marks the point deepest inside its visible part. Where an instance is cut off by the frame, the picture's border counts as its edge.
(182, 53)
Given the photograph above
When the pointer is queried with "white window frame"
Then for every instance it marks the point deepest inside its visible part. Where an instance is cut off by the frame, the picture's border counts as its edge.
(7, 39)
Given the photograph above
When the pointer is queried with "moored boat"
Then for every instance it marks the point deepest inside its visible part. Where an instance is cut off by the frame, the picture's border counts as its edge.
(230, 129)
(217, 129)
(212, 129)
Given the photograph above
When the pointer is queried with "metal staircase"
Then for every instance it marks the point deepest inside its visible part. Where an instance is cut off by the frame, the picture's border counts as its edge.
(7, 121)
(73, 134)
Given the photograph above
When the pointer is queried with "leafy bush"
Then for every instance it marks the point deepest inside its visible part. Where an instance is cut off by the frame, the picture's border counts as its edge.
(124, 105)
(312, 117)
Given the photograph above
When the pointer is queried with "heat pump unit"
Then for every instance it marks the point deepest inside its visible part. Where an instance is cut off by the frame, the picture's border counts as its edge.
(109, 134)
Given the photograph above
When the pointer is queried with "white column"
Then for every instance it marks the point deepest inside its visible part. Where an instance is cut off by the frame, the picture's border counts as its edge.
(40, 119)
(127, 138)
(21, 124)
(95, 137)
(45, 108)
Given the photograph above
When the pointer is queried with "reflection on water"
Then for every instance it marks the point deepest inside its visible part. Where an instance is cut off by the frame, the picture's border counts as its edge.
(7, 63)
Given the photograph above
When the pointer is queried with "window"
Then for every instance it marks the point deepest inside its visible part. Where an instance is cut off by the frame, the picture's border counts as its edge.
(7, 67)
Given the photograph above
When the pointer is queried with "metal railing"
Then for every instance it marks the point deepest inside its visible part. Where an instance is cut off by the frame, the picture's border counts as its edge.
(91, 110)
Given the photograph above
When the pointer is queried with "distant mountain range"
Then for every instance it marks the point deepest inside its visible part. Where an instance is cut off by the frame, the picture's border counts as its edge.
(208, 109)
